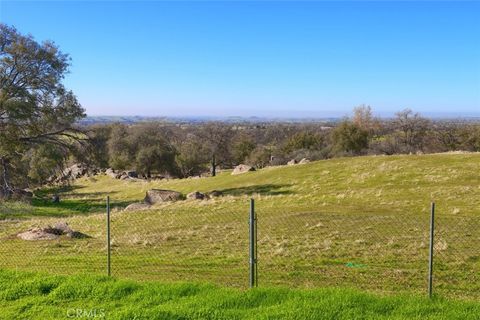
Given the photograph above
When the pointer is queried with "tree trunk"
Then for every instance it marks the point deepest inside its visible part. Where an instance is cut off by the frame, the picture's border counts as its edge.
(5, 189)
(214, 166)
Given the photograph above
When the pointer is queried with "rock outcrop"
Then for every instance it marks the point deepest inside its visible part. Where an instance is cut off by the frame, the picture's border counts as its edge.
(137, 206)
(196, 195)
(242, 168)
(51, 233)
(303, 161)
(158, 196)
(76, 171)
(292, 162)
(214, 194)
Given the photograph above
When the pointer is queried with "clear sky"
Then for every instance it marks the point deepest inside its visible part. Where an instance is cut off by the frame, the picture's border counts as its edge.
(263, 58)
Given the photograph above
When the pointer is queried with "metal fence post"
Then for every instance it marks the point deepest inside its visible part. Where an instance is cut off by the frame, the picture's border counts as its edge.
(108, 237)
(253, 246)
(430, 255)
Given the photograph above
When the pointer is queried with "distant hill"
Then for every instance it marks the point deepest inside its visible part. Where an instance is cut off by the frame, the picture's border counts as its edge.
(90, 120)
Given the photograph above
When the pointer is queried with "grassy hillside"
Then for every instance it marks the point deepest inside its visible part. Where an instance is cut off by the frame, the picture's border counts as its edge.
(373, 184)
(359, 222)
(32, 296)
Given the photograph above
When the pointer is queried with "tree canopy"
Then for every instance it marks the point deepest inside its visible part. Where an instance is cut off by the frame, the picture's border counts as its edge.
(35, 107)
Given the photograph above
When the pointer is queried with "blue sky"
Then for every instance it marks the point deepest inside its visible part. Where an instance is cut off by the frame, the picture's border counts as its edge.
(263, 58)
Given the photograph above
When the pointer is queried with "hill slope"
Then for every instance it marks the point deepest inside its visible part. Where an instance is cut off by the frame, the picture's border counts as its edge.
(359, 222)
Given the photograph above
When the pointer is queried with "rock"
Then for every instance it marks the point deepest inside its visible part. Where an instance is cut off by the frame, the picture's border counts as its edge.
(110, 172)
(292, 162)
(157, 196)
(242, 168)
(303, 161)
(196, 195)
(51, 233)
(124, 175)
(37, 234)
(77, 235)
(215, 193)
(137, 206)
(131, 174)
(76, 171)
(62, 228)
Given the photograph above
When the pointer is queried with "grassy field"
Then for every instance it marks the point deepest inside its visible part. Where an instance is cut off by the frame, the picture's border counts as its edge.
(39, 296)
(352, 222)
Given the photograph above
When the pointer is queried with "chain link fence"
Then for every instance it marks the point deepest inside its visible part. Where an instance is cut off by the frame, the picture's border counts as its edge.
(207, 242)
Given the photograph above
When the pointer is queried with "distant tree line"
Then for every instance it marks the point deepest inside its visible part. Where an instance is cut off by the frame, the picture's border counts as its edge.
(40, 132)
(183, 150)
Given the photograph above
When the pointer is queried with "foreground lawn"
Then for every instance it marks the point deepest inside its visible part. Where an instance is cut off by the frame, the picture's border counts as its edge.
(38, 296)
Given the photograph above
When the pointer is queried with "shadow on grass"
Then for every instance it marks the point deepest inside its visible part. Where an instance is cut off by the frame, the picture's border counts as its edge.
(74, 206)
(50, 191)
(263, 189)
(70, 204)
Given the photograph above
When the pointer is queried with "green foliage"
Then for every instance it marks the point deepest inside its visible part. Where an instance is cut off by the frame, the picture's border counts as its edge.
(260, 157)
(35, 107)
(217, 138)
(349, 138)
(99, 148)
(143, 148)
(471, 138)
(44, 161)
(38, 296)
(304, 140)
(192, 157)
(119, 149)
(152, 150)
(242, 148)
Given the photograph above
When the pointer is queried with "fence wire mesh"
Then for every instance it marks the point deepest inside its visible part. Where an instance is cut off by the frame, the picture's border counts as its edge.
(209, 242)
(457, 255)
(368, 251)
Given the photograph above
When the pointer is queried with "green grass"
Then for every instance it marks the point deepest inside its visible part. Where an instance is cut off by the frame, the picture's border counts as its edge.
(351, 222)
(39, 296)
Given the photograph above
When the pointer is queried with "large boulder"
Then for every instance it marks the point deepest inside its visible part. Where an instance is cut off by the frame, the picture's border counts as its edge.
(157, 196)
(196, 195)
(303, 161)
(292, 162)
(242, 168)
(137, 206)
